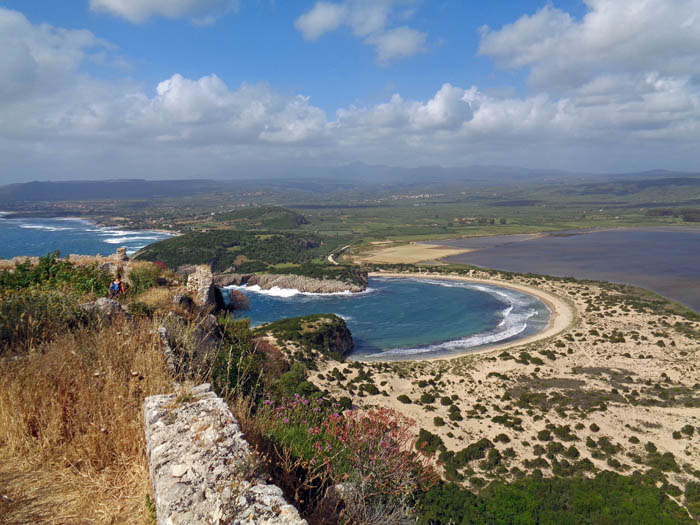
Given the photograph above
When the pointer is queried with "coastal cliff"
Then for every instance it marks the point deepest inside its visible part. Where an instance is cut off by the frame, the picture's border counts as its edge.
(297, 282)
(308, 337)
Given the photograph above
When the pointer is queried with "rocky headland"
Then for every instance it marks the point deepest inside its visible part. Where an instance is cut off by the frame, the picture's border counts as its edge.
(302, 283)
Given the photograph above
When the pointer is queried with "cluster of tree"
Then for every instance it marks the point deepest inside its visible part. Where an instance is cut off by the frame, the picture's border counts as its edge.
(686, 214)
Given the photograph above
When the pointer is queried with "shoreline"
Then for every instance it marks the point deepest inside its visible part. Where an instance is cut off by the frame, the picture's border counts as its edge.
(91, 220)
(562, 315)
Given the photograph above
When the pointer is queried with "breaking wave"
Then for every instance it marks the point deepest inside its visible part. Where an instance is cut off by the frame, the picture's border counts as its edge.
(513, 323)
(276, 291)
(43, 227)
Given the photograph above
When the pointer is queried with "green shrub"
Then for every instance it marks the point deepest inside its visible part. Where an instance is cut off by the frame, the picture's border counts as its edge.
(32, 315)
(140, 309)
(688, 430)
(426, 398)
(54, 273)
(544, 435)
(607, 498)
(403, 398)
(428, 443)
(692, 498)
(143, 276)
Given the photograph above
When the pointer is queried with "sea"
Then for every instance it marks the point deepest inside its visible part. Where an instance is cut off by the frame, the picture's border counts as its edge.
(406, 318)
(39, 236)
(393, 319)
(663, 259)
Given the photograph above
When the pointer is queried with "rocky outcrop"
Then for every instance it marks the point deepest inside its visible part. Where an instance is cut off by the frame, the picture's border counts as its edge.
(200, 283)
(105, 308)
(267, 281)
(184, 301)
(311, 336)
(201, 467)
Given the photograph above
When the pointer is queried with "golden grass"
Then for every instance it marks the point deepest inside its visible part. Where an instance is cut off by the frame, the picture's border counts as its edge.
(157, 297)
(71, 427)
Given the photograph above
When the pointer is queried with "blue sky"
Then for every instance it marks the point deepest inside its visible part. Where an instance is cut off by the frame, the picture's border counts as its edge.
(215, 87)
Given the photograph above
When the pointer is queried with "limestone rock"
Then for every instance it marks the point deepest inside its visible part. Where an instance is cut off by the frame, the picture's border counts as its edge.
(105, 308)
(201, 467)
(200, 283)
(183, 301)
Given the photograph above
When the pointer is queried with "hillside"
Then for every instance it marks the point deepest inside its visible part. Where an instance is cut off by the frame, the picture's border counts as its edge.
(252, 252)
(261, 218)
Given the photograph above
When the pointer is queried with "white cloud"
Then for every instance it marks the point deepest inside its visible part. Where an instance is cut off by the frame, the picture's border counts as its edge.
(56, 120)
(615, 36)
(138, 11)
(400, 42)
(41, 59)
(367, 19)
(322, 18)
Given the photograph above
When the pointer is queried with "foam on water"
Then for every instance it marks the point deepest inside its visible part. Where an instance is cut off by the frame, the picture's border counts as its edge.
(276, 291)
(37, 237)
(514, 322)
(43, 227)
(511, 326)
(119, 240)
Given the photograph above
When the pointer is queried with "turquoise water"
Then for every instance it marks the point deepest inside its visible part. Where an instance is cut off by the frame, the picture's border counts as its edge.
(40, 236)
(408, 318)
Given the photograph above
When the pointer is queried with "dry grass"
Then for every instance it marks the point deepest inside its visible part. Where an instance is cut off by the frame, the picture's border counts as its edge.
(71, 427)
(157, 297)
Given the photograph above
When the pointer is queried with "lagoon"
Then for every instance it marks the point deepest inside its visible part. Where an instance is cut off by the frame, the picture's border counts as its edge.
(410, 318)
(663, 259)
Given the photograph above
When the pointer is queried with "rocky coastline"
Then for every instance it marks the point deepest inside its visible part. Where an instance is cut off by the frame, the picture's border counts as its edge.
(288, 281)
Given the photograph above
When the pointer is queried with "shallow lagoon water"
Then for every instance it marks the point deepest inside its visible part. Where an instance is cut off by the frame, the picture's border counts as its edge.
(39, 236)
(410, 318)
(663, 259)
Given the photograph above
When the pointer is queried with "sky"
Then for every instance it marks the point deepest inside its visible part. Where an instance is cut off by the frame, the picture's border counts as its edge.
(101, 89)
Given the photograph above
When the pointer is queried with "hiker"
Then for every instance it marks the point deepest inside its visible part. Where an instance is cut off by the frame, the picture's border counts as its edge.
(117, 287)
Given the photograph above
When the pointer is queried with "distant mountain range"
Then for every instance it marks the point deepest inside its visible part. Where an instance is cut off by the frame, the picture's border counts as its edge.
(355, 175)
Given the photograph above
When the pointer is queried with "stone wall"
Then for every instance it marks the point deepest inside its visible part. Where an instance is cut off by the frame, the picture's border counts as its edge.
(201, 467)
(200, 285)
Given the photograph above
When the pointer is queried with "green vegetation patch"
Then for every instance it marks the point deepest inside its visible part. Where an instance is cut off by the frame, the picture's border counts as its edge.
(254, 252)
(607, 498)
(326, 334)
(262, 217)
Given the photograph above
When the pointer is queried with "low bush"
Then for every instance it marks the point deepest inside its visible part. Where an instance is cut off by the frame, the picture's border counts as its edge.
(32, 315)
(607, 498)
(312, 445)
(143, 275)
(54, 273)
